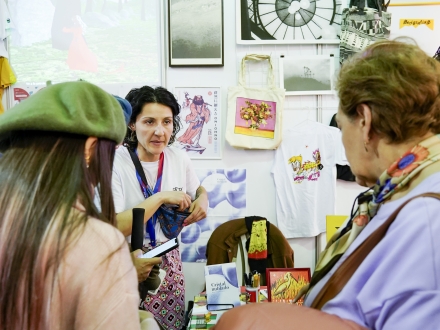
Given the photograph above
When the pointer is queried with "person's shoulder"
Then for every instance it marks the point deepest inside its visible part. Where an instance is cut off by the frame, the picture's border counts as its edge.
(122, 156)
(175, 152)
(431, 184)
(96, 242)
(102, 236)
(423, 207)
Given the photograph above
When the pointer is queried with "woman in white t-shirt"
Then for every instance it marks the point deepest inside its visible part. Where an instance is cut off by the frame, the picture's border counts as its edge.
(153, 126)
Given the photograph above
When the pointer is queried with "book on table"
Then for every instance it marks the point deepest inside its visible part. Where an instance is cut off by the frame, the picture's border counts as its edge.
(222, 289)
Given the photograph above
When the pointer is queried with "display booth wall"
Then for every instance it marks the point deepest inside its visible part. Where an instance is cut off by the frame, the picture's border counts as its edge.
(260, 196)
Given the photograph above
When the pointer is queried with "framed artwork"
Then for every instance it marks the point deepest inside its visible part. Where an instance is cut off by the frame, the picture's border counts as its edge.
(288, 21)
(195, 32)
(283, 284)
(307, 75)
(414, 3)
(200, 115)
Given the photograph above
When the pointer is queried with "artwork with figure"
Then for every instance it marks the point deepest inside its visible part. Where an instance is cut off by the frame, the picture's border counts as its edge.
(307, 75)
(66, 40)
(283, 284)
(307, 170)
(201, 122)
(227, 200)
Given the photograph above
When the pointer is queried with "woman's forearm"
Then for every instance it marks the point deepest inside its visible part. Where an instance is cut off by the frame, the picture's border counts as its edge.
(125, 219)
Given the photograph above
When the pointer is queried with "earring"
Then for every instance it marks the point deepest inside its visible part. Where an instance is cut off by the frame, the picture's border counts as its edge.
(133, 136)
(87, 161)
(365, 146)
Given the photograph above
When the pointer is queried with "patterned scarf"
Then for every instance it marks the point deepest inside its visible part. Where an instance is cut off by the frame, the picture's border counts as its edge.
(398, 175)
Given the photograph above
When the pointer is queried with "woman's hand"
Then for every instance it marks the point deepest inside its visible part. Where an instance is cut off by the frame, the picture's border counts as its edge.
(143, 265)
(198, 208)
(179, 198)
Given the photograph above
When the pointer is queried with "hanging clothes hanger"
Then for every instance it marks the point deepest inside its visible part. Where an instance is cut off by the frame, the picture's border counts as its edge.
(306, 121)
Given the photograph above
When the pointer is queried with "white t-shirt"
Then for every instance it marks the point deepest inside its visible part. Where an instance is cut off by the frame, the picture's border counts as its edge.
(178, 175)
(305, 178)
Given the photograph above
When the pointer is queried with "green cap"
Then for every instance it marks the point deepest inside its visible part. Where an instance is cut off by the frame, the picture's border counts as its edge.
(73, 107)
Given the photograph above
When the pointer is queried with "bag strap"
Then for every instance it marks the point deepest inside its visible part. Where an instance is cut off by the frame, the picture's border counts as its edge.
(256, 57)
(345, 271)
(138, 166)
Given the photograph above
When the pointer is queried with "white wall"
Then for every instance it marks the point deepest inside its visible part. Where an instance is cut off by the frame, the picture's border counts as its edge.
(260, 185)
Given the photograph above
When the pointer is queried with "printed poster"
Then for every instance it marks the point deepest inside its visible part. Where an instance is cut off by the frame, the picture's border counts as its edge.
(227, 200)
(200, 116)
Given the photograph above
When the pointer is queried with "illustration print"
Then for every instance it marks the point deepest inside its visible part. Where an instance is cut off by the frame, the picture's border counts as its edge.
(226, 188)
(255, 117)
(285, 285)
(199, 115)
(308, 170)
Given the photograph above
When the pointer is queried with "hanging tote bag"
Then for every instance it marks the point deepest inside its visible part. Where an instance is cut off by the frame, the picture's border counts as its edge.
(255, 114)
(363, 25)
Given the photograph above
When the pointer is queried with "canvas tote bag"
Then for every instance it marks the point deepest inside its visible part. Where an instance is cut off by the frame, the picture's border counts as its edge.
(255, 114)
(362, 25)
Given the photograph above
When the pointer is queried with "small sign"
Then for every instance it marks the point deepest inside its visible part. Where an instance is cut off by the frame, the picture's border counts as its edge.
(416, 22)
(333, 222)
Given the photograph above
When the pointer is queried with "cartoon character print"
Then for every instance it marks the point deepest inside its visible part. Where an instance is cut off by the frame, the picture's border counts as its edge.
(309, 170)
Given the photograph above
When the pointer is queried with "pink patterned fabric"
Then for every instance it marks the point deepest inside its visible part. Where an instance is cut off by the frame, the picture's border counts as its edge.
(168, 305)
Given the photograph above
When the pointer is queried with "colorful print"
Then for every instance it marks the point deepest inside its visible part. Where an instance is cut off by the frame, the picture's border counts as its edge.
(284, 284)
(255, 117)
(168, 304)
(308, 170)
(408, 162)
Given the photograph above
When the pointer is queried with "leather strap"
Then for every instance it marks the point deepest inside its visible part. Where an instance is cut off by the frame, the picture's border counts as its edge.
(342, 275)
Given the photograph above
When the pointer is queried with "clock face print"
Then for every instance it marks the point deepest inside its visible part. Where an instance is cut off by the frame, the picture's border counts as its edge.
(294, 20)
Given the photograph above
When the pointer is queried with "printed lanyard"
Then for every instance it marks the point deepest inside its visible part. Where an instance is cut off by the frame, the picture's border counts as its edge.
(151, 223)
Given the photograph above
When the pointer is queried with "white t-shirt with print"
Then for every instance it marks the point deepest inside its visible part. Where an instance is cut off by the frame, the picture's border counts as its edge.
(178, 175)
(304, 172)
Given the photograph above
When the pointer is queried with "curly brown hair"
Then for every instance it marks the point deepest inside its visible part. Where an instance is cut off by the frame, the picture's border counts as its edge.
(138, 97)
(399, 82)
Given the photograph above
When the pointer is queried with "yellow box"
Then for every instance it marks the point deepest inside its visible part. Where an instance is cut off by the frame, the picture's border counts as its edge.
(333, 222)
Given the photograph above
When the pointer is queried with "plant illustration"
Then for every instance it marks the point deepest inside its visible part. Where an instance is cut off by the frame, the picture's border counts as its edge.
(256, 114)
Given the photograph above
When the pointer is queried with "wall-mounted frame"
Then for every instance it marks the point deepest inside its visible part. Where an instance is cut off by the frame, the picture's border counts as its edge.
(288, 21)
(283, 284)
(200, 114)
(414, 3)
(307, 75)
(195, 33)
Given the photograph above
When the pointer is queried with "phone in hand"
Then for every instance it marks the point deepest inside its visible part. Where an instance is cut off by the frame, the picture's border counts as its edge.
(162, 249)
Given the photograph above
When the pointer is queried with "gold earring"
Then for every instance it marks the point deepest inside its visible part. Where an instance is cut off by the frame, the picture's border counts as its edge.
(87, 161)
(365, 146)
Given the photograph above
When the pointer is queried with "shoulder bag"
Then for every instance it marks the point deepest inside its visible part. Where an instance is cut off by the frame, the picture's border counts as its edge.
(346, 270)
(170, 219)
